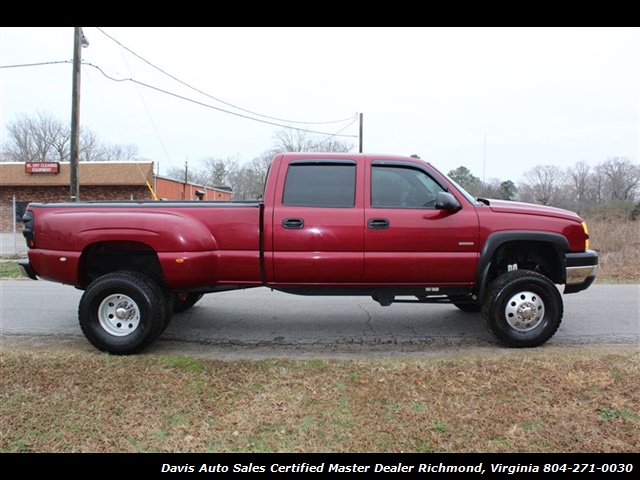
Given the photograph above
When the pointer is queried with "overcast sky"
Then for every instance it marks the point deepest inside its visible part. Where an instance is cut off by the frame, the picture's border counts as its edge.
(498, 101)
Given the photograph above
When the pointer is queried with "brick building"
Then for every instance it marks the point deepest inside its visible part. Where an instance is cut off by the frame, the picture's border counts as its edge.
(171, 189)
(99, 181)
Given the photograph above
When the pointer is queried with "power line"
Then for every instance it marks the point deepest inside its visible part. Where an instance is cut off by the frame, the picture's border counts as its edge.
(214, 98)
(352, 119)
(336, 134)
(35, 64)
(151, 120)
(213, 107)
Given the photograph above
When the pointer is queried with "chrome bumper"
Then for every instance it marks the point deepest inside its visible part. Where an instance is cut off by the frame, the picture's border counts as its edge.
(581, 270)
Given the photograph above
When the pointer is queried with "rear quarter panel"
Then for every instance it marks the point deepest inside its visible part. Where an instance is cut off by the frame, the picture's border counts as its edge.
(222, 239)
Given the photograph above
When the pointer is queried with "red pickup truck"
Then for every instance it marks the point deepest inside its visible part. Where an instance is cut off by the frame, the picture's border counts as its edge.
(390, 227)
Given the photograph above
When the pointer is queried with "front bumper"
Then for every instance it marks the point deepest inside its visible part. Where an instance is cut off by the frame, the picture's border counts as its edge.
(581, 270)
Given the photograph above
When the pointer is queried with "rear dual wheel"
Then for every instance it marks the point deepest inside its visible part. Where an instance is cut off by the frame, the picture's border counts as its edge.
(123, 312)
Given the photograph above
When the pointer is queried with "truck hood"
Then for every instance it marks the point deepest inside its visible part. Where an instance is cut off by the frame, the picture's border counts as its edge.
(504, 206)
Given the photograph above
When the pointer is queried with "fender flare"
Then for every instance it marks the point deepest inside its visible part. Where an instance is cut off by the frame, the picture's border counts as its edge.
(497, 239)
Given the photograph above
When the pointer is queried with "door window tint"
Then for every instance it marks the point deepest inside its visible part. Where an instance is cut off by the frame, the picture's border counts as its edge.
(402, 187)
(320, 185)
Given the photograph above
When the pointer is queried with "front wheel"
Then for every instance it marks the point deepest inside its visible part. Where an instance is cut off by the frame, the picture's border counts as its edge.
(522, 309)
(123, 312)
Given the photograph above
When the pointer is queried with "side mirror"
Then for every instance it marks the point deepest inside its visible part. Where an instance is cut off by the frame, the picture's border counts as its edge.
(446, 201)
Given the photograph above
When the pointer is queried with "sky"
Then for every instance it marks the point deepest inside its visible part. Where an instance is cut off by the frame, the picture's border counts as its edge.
(496, 100)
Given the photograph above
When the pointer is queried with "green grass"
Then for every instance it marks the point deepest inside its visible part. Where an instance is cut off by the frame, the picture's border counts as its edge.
(57, 398)
(9, 269)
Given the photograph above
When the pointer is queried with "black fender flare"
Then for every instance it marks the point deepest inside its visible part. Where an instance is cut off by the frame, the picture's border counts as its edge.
(497, 239)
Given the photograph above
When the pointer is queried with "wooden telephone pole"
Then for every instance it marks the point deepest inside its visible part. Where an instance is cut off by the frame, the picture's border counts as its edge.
(79, 41)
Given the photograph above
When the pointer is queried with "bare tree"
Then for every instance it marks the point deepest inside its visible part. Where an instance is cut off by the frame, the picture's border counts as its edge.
(217, 171)
(38, 139)
(185, 174)
(23, 144)
(90, 148)
(296, 140)
(44, 138)
(58, 134)
(596, 190)
(544, 184)
(622, 178)
(579, 179)
(247, 180)
(290, 140)
(332, 145)
(120, 153)
(246, 184)
(261, 165)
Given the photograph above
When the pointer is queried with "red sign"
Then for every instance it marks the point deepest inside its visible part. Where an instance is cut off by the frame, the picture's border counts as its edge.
(42, 167)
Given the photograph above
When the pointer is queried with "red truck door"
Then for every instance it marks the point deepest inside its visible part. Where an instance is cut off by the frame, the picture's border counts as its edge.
(407, 240)
(317, 223)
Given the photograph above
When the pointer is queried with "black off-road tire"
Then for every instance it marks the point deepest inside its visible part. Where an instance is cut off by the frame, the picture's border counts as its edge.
(168, 311)
(182, 302)
(522, 309)
(123, 312)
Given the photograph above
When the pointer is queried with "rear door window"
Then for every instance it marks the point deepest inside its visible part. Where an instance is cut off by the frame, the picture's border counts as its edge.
(320, 184)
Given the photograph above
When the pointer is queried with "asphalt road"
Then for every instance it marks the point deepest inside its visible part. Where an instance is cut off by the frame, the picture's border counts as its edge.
(260, 321)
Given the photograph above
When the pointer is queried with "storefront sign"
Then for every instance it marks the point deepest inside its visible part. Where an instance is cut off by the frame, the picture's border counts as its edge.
(42, 167)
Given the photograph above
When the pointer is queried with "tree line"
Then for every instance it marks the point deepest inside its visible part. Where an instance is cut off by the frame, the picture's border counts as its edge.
(611, 185)
(43, 138)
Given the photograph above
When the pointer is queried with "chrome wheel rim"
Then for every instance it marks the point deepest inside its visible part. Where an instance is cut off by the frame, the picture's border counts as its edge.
(119, 315)
(524, 311)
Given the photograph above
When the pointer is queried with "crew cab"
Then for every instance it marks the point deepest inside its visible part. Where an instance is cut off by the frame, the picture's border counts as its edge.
(391, 227)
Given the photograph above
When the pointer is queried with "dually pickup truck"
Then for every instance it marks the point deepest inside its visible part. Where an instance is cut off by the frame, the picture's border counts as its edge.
(390, 227)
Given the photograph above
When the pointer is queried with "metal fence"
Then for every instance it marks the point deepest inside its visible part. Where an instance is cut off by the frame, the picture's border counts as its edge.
(11, 240)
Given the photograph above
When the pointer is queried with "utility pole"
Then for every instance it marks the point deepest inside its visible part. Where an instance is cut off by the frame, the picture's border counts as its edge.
(79, 41)
(360, 133)
(186, 180)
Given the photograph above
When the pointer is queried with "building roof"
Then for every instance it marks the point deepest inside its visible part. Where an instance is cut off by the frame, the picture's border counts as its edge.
(221, 188)
(89, 173)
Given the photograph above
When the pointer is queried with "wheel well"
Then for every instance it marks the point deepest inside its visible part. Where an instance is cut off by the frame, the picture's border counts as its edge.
(542, 257)
(107, 257)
